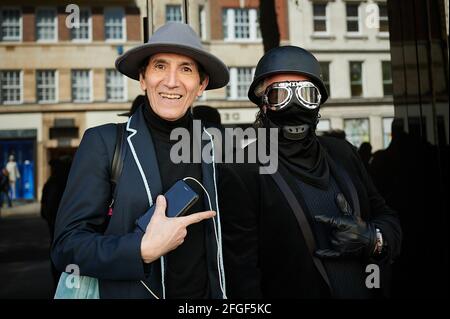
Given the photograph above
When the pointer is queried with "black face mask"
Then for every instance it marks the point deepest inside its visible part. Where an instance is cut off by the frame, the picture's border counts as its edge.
(298, 146)
(295, 121)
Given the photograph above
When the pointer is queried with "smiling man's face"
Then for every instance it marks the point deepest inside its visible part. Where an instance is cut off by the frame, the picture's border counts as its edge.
(173, 83)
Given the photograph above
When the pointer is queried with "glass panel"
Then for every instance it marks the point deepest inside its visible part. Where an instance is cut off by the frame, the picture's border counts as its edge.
(241, 24)
(244, 79)
(10, 87)
(173, 13)
(114, 24)
(46, 24)
(83, 32)
(357, 131)
(356, 78)
(10, 24)
(114, 86)
(387, 78)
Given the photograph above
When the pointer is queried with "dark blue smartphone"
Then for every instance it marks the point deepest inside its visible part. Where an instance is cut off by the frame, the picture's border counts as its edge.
(179, 198)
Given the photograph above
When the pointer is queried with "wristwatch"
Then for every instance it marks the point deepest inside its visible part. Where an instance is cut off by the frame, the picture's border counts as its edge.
(379, 242)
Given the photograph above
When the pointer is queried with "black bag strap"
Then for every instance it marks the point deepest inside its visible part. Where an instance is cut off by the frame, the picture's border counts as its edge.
(303, 223)
(119, 155)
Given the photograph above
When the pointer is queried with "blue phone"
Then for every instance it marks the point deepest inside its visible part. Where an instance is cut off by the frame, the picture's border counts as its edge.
(179, 198)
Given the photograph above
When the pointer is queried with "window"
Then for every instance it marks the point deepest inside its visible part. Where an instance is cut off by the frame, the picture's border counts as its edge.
(10, 87)
(356, 79)
(115, 86)
(240, 80)
(352, 17)
(46, 86)
(357, 131)
(202, 21)
(81, 86)
(240, 24)
(46, 24)
(173, 13)
(84, 30)
(10, 24)
(387, 78)
(320, 17)
(114, 24)
(325, 68)
(387, 131)
(383, 14)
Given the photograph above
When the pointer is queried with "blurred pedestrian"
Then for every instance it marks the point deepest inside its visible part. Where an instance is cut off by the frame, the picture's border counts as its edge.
(14, 175)
(4, 187)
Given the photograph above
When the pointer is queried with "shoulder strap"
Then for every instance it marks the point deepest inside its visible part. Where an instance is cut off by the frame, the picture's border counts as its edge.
(119, 154)
(303, 223)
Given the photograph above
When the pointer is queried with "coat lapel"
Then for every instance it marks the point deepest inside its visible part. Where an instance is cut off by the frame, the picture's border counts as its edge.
(142, 148)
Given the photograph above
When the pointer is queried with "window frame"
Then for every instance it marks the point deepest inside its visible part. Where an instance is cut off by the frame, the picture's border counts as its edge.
(56, 86)
(2, 101)
(230, 14)
(386, 82)
(91, 87)
(349, 138)
(55, 22)
(385, 18)
(362, 78)
(353, 18)
(20, 37)
(90, 27)
(124, 87)
(232, 91)
(124, 29)
(170, 5)
(326, 18)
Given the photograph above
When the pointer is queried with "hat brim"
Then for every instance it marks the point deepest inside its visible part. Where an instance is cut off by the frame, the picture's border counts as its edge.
(130, 62)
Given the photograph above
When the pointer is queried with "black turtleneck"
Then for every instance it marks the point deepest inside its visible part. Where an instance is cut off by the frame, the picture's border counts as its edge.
(186, 275)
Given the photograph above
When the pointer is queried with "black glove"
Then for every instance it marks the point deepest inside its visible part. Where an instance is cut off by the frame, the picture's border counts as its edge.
(350, 236)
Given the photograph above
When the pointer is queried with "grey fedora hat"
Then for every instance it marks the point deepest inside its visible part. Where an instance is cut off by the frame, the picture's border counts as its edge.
(180, 38)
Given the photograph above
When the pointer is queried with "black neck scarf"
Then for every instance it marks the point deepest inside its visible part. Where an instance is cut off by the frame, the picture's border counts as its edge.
(306, 158)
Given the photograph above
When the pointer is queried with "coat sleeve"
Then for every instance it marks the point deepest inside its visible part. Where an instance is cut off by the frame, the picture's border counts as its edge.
(382, 216)
(83, 209)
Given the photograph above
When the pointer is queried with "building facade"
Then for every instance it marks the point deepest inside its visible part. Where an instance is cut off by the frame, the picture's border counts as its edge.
(58, 78)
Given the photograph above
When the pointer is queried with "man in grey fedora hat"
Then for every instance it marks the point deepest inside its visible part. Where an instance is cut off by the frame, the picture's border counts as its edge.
(179, 257)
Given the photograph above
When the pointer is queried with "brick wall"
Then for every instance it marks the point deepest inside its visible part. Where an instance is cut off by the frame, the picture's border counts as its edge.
(133, 23)
(28, 24)
(63, 31)
(98, 27)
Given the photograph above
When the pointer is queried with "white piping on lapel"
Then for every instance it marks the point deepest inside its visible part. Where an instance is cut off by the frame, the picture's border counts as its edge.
(144, 179)
(219, 228)
(149, 195)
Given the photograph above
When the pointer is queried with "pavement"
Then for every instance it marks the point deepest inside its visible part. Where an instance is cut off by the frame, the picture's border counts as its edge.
(25, 271)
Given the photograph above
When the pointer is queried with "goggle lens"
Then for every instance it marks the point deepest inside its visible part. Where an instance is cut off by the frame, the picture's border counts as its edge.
(279, 94)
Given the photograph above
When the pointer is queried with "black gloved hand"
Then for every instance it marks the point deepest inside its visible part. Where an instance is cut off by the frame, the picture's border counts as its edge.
(350, 236)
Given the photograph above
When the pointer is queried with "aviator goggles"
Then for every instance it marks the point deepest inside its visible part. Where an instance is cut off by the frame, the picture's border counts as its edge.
(279, 94)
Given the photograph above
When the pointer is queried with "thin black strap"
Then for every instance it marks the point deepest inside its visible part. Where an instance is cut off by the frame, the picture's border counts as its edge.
(303, 223)
(117, 162)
